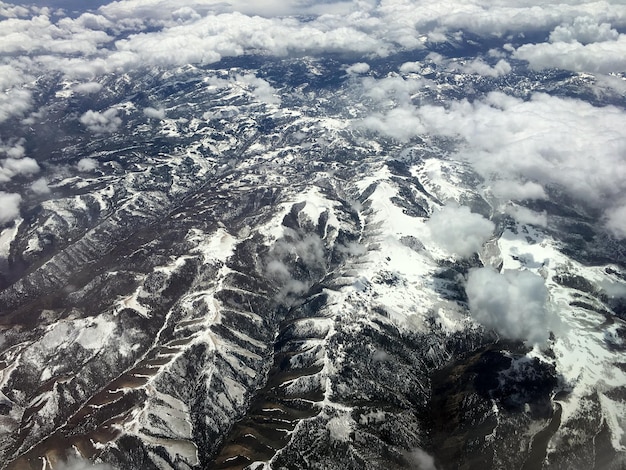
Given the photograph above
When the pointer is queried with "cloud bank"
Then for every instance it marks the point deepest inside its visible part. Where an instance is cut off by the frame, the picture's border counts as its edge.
(130, 34)
(522, 146)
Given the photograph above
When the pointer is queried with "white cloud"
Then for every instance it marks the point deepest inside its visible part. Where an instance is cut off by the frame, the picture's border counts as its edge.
(186, 14)
(40, 186)
(400, 123)
(584, 30)
(154, 113)
(480, 67)
(87, 164)
(92, 21)
(12, 76)
(254, 85)
(169, 32)
(411, 67)
(616, 221)
(542, 141)
(40, 35)
(308, 249)
(166, 10)
(13, 149)
(9, 206)
(260, 88)
(104, 122)
(14, 102)
(21, 166)
(392, 90)
(525, 216)
(358, 69)
(13, 11)
(422, 460)
(502, 17)
(513, 303)
(399, 20)
(505, 189)
(458, 230)
(88, 88)
(17, 166)
(76, 463)
(597, 57)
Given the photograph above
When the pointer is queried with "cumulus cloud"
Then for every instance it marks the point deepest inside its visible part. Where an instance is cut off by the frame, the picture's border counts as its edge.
(169, 32)
(539, 142)
(256, 86)
(502, 17)
(13, 11)
(166, 10)
(480, 67)
(399, 123)
(411, 67)
(400, 20)
(213, 37)
(14, 103)
(546, 140)
(40, 186)
(13, 149)
(458, 230)
(21, 166)
(394, 89)
(86, 164)
(12, 167)
(358, 69)
(41, 35)
(584, 30)
(104, 122)
(513, 303)
(88, 88)
(597, 57)
(154, 113)
(9, 206)
(12, 75)
(260, 88)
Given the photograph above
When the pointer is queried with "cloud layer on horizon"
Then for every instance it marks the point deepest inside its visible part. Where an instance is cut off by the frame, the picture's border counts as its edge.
(154, 30)
(516, 143)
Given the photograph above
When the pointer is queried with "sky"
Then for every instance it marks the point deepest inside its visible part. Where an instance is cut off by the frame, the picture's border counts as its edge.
(523, 148)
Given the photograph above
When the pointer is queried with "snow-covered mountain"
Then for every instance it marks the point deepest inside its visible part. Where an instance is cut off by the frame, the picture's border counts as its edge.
(322, 257)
